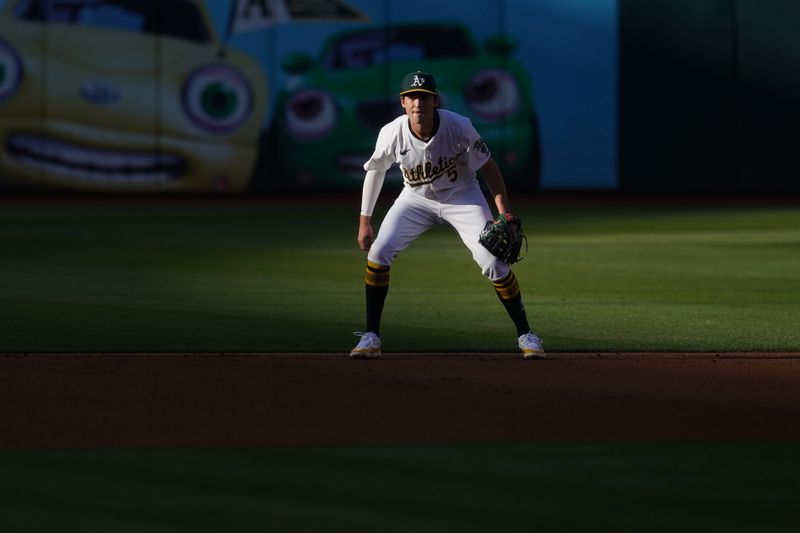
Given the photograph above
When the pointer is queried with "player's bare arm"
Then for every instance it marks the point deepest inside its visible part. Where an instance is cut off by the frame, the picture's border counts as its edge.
(493, 178)
(365, 233)
(373, 182)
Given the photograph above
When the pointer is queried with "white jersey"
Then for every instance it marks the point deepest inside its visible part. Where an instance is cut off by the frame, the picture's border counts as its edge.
(435, 169)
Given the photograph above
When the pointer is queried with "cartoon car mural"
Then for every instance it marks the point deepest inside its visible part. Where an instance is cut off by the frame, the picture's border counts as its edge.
(124, 95)
(329, 112)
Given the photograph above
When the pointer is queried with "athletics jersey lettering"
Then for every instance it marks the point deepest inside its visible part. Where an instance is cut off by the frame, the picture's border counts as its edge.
(421, 175)
(437, 168)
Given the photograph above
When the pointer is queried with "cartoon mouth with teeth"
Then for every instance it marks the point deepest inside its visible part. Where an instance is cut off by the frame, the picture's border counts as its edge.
(90, 166)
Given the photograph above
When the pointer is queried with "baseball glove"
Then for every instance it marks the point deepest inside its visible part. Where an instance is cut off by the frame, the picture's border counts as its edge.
(503, 237)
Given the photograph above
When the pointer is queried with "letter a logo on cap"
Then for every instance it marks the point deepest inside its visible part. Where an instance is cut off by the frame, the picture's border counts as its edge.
(418, 81)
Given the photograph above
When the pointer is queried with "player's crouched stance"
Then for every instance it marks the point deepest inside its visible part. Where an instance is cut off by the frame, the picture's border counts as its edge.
(438, 152)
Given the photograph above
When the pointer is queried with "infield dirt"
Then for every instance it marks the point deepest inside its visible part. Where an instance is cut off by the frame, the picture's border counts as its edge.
(199, 400)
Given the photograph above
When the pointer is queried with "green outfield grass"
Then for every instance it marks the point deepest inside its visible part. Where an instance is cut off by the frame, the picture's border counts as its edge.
(679, 487)
(139, 276)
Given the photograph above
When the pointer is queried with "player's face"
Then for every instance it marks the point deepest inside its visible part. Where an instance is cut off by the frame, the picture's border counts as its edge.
(419, 106)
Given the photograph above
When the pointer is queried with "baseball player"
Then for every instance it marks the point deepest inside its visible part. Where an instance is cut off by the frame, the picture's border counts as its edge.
(438, 152)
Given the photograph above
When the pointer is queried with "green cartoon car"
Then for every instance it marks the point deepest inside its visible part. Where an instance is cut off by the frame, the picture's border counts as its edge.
(124, 95)
(330, 110)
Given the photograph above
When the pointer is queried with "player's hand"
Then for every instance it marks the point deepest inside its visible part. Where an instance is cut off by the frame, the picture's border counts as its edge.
(365, 234)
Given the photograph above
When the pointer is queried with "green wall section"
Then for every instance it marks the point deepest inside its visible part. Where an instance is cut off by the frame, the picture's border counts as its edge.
(709, 95)
(768, 90)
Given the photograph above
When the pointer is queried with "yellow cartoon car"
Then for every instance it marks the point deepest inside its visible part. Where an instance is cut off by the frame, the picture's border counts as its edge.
(124, 95)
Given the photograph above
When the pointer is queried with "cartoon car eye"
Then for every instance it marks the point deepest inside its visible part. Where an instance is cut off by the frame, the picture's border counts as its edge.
(493, 94)
(310, 114)
(10, 71)
(217, 98)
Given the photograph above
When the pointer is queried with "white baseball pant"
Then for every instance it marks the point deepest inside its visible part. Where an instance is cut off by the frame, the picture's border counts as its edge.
(412, 214)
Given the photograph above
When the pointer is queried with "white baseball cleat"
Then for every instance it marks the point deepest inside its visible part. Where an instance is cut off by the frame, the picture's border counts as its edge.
(369, 347)
(531, 346)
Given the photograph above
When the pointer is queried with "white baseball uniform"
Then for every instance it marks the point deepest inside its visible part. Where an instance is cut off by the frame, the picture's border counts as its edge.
(440, 187)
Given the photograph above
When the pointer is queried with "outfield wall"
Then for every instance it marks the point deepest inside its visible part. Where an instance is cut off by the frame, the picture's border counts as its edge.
(266, 95)
(709, 95)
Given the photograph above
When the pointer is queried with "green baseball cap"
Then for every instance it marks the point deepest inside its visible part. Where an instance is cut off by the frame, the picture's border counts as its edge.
(418, 82)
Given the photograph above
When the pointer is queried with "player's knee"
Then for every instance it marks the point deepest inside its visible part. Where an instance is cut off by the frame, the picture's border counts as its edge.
(380, 254)
(496, 270)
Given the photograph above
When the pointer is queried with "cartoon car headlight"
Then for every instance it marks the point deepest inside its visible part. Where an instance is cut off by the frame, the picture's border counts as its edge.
(10, 71)
(493, 94)
(310, 114)
(217, 98)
